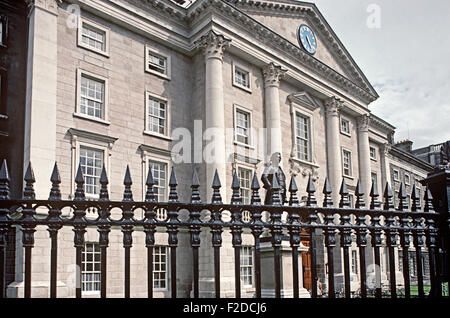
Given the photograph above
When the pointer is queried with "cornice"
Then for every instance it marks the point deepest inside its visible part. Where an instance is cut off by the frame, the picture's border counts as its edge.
(91, 135)
(377, 122)
(303, 99)
(395, 152)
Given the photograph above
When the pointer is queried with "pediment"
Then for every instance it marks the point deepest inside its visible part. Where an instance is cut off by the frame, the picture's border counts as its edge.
(303, 99)
(284, 18)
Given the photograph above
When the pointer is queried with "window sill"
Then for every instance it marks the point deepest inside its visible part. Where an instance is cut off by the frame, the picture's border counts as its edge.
(240, 144)
(152, 134)
(308, 163)
(348, 177)
(163, 76)
(247, 89)
(87, 47)
(95, 119)
(374, 159)
(346, 134)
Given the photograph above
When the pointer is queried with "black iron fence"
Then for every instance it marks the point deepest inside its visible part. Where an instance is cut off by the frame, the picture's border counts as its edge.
(380, 225)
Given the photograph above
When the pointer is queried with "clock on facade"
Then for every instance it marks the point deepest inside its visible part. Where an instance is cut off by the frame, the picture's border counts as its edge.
(307, 39)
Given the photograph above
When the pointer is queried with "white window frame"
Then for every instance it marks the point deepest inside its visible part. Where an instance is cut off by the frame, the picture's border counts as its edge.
(167, 272)
(92, 292)
(342, 119)
(89, 140)
(374, 157)
(100, 28)
(167, 135)
(252, 266)
(351, 163)
(354, 264)
(236, 109)
(242, 68)
(252, 171)
(150, 49)
(78, 114)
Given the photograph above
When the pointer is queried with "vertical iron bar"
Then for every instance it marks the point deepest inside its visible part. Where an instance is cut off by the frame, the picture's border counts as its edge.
(3, 262)
(173, 270)
(4, 225)
(236, 231)
(377, 272)
(257, 229)
(346, 272)
(103, 260)
(392, 272)
(277, 260)
(362, 270)
(419, 271)
(127, 272)
(196, 271)
(217, 270)
(257, 268)
(331, 288)
(406, 275)
(53, 265)
(237, 271)
(28, 250)
(78, 263)
(312, 247)
(295, 271)
(294, 232)
(127, 229)
(103, 230)
(346, 234)
(150, 271)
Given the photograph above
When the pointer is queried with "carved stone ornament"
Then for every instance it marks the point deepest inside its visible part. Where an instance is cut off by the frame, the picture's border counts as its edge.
(49, 5)
(363, 122)
(333, 105)
(384, 149)
(296, 169)
(213, 44)
(273, 74)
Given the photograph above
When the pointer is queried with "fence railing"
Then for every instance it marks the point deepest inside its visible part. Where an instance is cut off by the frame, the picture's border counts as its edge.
(398, 227)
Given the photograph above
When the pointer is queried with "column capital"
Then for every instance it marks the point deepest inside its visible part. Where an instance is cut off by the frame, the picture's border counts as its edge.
(363, 122)
(333, 105)
(384, 149)
(213, 45)
(273, 74)
(48, 5)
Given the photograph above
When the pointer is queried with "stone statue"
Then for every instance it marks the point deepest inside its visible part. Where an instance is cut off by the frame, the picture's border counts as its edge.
(445, 153)
(267, 177)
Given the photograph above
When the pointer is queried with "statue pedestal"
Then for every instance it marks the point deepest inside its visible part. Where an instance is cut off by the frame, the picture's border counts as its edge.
(268, 271)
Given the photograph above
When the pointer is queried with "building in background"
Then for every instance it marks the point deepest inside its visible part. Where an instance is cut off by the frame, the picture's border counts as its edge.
(111, 83)
(430, 154)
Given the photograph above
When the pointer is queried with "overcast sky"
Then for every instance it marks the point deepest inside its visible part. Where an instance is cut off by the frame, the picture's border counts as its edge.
(407, 60)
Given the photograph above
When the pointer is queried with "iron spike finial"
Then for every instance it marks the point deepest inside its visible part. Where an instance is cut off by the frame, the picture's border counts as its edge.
(216, 185)
(127, 194)
(359, 196)
(173, 179)
(344, 202)
(428, 206)
(311, 190)
(293, 199)
(79, 180)
(28, 192)
(415, 199)
(150, 182)
(327, 191)
(173, 183)
(256, 199)
(195, 195)
(4, 182)
(55, 193)
(104, 195)
(236, 187)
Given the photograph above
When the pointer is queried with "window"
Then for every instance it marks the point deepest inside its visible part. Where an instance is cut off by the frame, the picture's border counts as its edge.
(373, 153)
(93, 36)
(351, 200)
(91, 268)
(92, 97)
(247, 265)
(303, 137)
(396, 175)
(407, 179)
(3, 30)
(242, 127)
(354, 262)
(400, 260)
(345, 126)
(160, 267)
(241, 77)
(159, 173)
(157, 63)
(245, 178)
(347, 162)
(91, 161)
(156, 115)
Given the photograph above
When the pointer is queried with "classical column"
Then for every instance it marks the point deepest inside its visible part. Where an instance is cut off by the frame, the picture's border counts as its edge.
(40, 112)
(334, 161)
(272, 76)
(213, 46)
(364, 156)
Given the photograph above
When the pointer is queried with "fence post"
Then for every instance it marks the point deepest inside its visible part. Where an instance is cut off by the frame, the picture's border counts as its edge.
(4, 225)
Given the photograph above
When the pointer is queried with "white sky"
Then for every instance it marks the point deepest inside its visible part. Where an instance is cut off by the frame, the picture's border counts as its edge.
(407, 60)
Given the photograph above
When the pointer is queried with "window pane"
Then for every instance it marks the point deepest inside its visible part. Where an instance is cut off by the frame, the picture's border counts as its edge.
(91, 161)
(92, 97)
(303, 137)
(157, 116)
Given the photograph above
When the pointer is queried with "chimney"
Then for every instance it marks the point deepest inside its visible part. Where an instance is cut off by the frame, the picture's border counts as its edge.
(405, 145)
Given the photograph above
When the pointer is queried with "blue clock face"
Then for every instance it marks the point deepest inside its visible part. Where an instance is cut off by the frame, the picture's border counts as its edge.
(307, 39)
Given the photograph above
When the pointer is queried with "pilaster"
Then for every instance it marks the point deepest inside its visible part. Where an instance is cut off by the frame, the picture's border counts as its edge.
(364, 155)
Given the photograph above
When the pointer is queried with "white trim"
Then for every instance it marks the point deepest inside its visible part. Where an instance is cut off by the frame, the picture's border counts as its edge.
(167, 135)
(244, 69)
(97, 26)
(250, 144)
(248, 167)
(349, 133)
(351, 163)
(167, 271)
(296, 110)
(158, 52)
(80, 73)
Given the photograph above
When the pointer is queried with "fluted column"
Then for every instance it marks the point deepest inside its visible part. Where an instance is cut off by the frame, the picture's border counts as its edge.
(213, 46)
(364, 155)
(385, 169)
(272, 76)
(334, 161)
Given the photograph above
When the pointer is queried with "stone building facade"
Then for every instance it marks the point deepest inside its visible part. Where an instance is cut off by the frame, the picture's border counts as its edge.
(130, 82)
